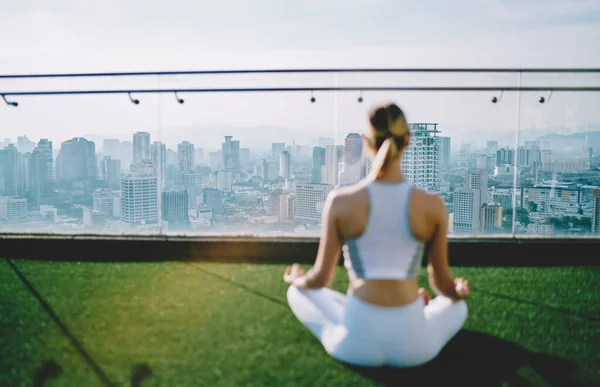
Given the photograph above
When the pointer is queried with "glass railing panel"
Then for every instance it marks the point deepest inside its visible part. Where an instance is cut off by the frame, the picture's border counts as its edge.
(559, 175)
(262, 163)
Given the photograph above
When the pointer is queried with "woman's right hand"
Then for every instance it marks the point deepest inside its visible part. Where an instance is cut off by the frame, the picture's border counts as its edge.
(462, 288)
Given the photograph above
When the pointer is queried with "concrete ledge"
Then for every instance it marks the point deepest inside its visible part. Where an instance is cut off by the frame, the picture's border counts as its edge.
(502, 251)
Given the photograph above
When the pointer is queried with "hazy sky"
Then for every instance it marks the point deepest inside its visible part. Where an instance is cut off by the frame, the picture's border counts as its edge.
(146, 35)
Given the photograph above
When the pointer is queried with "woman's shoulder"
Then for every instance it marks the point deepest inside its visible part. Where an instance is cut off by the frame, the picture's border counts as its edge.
(429, 200)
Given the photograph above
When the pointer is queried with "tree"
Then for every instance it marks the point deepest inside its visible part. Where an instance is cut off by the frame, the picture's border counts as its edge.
(532, 206)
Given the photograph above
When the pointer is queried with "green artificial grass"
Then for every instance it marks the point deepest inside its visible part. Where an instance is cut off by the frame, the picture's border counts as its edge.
(208, 324)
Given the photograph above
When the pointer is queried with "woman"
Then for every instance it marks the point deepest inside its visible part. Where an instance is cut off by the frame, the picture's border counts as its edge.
(382, 225)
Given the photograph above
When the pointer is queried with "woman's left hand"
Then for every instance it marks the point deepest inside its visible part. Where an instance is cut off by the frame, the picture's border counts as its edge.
(292, 273)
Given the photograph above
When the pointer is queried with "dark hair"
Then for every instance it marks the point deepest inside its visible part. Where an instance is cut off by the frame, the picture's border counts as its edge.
(389, 135)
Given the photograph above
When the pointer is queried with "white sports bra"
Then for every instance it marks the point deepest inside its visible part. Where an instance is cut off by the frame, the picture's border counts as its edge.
(387, 249)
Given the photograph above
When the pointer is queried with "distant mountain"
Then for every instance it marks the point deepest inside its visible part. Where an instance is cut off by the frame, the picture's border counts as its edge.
(479, 136)
(565, 142)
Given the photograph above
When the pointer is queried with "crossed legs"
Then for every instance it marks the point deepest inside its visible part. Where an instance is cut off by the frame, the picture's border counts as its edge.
(322, 312)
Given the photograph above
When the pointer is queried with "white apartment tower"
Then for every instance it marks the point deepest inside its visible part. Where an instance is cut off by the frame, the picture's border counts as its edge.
(478, 179)
(421, 159)
(466, 205)
(139, 200)
(310, 199)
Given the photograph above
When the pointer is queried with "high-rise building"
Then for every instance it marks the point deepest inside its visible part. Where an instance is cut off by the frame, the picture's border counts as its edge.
(213, 198)
(22, 174)
(505, 156)
(231, 154)
(141, 147)
(466, 205)
(276, 149)
(491, 218)
(486, 162)
(596, 213)
(334, 155)
(281, 205)
(41, 172)
(111, 172)
(185, 156)
(310, 199)
(285, 165)
(421, 159)
(111, 147)
(9, 170)
(175, 209)
(76, 161)
(107, 201)
(478, 179)
(139, 200)
(491, 147)
(225, 180)
(158, 154)
(144, 168)
(25, 145)
(353, 169)
(445, 143)
(317, 174)
(12, 208)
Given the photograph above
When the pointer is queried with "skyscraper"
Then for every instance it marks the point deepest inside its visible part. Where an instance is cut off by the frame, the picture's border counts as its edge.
(158, 154)
(421, 159)
(139, 200)
(110, 172)
(41, 176)
(334, 155)
(285, 165)
(354, 167)
(9, 171)
(317, 174)
(175, 209)
(276, 149)
(141, 147)
(76, 160)
(231, 154)
(185, 156)
(478, 179)
(444, 152)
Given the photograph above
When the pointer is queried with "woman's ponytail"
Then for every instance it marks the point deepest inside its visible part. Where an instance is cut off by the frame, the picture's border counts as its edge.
(386, 152)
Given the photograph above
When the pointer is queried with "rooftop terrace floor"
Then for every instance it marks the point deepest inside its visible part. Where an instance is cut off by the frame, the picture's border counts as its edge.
(217, 324)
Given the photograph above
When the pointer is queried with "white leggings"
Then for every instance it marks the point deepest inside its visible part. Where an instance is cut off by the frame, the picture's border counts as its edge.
(356, 332)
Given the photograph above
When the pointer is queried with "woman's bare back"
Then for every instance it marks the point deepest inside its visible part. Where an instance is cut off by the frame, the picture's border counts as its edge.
(352, 214)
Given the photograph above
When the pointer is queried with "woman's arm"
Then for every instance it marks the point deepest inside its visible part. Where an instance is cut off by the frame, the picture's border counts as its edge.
(440, 277)
(329, 251)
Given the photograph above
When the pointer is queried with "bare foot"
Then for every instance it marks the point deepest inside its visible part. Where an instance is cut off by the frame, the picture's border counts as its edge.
(425, 295)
